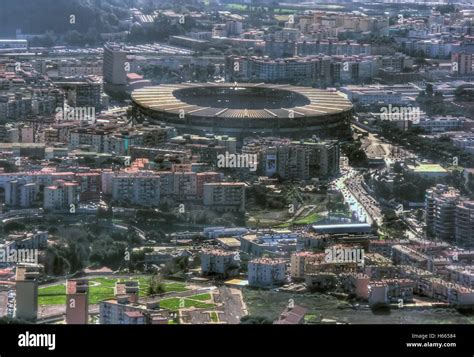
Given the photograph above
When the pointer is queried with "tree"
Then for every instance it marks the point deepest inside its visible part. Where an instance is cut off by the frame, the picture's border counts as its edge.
(255, 320)
(397, 168)
(429, 89)
(13, 226)
(357, 157)
(156, 285)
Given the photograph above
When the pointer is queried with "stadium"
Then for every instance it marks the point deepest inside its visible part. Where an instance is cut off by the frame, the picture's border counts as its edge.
(246, 109)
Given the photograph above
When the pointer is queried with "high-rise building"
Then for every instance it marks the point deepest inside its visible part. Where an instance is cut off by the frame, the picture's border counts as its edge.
(26, 292)
(114, 67)
(464, 224)
(77, 303)
(304, 160)
(440, 206)
(20, 193)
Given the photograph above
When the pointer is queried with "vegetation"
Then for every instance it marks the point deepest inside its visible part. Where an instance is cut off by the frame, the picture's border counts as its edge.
(439, 150)
(214, 316)
(90, 19)
(255, 320)
(433, 103)
(356, 155)
(101, 289)
(156, 285)
(190, 301)
(313, 217)
(465, 93)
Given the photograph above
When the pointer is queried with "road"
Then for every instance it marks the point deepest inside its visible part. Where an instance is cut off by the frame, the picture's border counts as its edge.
(368, 204)
(234, 307)
(360, 202)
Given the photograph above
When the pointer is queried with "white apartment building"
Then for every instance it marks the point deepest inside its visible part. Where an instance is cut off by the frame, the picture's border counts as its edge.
(61, 195)
(120, 312)
(219, 262)
(266, 272)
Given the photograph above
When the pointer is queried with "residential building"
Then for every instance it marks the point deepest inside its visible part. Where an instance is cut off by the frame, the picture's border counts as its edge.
(26, 285)
(219, 262)
(139, 188)
(266, 272)
(121, 311)
(463, 275)
(114, 70)
(464, 224)
(225, 196)
(440, 207)
(77, 303)
(298, 262)
(61, 196)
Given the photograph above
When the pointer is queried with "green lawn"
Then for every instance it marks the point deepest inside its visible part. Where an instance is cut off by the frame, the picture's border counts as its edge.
(191, 301)
(313, 217)
(100, 289)
(202, 297)
(214, 316)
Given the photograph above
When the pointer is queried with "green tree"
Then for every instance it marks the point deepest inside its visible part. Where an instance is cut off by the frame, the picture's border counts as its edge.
(156, 285)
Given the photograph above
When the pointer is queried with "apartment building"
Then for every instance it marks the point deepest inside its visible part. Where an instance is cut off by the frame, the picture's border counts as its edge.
(115, 75)
(205, 177)
(427, 284)
(185, 185)
(84, 92)
(303, 70)
(402, 254)
(229, 143)
(29, 240)
(387, 291)
(298, 262)
(440, 207)
(219, 262)
(78, 67)
(307, 159)
(26, 285)
(77, 303)
(224, 196)
(21, 193)
(464, 224)
(139, 188)
(130, 288)
(121, 311)
(439, 124)
(266, 272)
(61, 196)
(463, 275)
